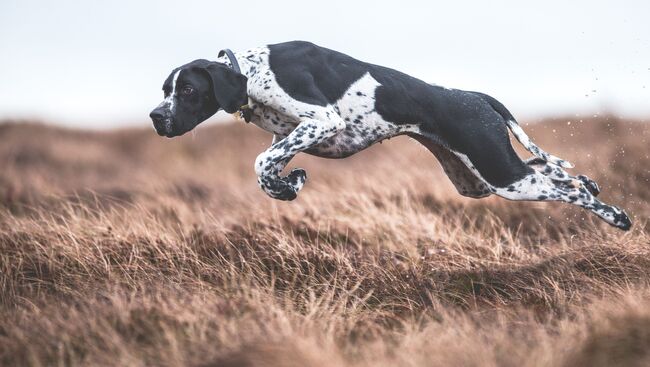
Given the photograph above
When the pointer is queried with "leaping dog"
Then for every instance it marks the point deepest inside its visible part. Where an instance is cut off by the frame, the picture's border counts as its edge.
(328, 104)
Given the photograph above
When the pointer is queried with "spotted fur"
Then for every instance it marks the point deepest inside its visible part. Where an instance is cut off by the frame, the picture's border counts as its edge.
(328, 104)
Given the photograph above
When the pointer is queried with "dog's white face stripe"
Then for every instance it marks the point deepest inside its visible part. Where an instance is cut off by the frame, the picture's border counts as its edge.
(168, 102)
(172, 95)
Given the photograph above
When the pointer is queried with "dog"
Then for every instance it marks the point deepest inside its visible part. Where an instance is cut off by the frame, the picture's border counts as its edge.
(328, 104)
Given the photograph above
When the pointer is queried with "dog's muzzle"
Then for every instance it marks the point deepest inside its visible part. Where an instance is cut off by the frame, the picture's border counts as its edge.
(162, 121)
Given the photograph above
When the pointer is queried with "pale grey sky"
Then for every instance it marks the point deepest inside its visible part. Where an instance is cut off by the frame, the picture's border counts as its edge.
(102, 63)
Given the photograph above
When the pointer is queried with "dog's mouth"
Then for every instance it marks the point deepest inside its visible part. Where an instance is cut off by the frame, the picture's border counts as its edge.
(164, 128)
(167, 129)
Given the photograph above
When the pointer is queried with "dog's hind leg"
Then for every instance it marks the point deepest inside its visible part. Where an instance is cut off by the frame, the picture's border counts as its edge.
(556, 172)
(539, 187)
(465, 181)
(480, 140)
(509, 177)
(535, 186)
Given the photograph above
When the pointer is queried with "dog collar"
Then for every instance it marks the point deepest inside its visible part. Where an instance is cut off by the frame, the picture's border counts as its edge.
(232, 58)
(244, 111)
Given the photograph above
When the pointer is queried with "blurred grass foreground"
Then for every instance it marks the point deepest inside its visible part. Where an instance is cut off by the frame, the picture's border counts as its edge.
(122, 248)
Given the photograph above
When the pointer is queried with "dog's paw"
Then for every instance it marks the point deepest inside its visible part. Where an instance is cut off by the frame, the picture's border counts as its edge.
(297, 178)
(278, 187)
(292, 184)
(621, 220)
(614, 216)
(284, 188)
(288, 193)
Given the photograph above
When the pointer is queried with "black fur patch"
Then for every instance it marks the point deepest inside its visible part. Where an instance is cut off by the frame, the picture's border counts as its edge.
(466, 121)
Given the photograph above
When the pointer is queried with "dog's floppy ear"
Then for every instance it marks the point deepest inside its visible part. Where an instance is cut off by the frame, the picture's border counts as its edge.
(229, 87)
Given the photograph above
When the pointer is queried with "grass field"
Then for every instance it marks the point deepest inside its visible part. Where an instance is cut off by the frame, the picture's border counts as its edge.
(126, 249)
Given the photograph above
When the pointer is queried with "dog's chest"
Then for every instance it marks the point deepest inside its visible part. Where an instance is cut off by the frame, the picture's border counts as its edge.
(272, 120)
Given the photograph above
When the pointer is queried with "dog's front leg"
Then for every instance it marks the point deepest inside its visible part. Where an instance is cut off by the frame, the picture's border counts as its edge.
(271, 162)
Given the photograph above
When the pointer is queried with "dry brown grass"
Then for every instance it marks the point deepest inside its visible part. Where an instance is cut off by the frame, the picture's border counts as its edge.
(122, 248)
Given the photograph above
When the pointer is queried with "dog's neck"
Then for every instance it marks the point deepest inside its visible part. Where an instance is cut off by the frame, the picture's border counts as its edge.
(248, 61)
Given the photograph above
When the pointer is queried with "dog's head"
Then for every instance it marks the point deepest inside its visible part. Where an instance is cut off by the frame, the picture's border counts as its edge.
(194, 92)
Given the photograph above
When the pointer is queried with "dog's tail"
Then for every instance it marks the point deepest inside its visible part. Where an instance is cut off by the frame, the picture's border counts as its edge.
(519, 133)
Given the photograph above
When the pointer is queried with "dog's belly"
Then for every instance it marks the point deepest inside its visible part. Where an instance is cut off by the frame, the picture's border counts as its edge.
(364, 126)
(361, 132)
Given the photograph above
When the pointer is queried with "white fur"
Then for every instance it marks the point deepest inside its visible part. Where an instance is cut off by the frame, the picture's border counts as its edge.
(170, 100)
(172, 95)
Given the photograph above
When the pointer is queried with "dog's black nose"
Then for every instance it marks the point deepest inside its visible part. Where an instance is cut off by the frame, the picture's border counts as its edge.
(156, 115)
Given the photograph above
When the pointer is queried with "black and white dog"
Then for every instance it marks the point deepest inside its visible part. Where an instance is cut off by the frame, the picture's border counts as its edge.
(328, 104)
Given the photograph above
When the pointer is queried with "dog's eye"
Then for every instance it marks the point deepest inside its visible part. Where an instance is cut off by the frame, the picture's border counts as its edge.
(187, 90)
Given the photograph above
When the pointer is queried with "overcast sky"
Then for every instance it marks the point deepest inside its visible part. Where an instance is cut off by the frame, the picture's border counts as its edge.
(102, 63)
